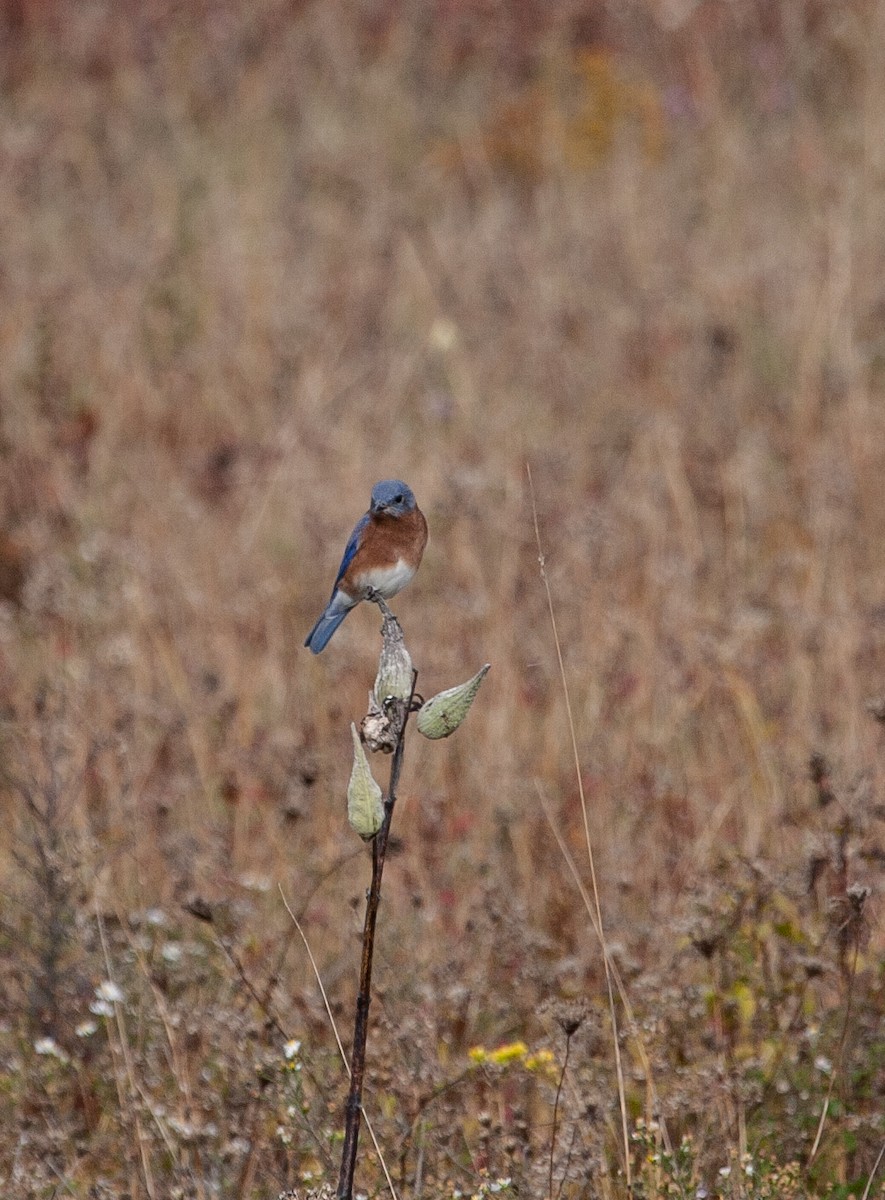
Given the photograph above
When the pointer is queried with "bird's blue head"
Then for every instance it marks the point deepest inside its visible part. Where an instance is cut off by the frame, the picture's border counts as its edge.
(392, 497)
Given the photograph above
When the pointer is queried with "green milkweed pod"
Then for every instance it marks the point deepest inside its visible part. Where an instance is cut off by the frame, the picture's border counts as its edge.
(443, 713)
(365, 807)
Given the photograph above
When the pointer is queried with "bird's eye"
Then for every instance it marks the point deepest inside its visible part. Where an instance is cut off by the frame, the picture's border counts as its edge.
(398, 499)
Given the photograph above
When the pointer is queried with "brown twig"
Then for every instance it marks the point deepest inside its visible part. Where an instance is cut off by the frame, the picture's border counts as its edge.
(568, 1046)
(334, 1027)
(364, 995)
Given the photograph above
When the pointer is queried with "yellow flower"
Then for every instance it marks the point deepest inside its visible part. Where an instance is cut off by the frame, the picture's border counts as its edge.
(510, 1053)
(541, 1060)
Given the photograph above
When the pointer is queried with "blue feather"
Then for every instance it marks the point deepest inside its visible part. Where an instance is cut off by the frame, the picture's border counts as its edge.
(351, 548)
(321, 634)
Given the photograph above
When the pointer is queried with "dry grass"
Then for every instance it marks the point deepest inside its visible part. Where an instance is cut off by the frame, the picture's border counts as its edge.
(255, 259)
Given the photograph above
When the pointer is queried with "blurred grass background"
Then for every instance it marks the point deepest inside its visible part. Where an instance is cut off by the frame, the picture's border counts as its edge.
(256, 257)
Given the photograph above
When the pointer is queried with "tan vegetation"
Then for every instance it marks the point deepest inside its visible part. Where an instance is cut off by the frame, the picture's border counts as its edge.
(256, 257)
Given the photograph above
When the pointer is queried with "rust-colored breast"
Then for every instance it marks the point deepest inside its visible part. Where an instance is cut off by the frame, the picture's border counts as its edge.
(385, 542)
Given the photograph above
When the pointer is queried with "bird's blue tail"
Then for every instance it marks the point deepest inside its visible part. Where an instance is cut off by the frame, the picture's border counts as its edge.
(320, 635)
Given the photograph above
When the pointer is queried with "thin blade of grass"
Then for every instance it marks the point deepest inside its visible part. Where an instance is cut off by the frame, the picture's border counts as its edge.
(876, 1165)
(837, 1065)
(598, 925)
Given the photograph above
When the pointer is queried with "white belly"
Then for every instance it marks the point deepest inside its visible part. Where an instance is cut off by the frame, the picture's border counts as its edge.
(387, 580)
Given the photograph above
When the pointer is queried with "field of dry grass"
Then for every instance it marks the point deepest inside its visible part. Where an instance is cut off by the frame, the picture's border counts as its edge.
(257, 256)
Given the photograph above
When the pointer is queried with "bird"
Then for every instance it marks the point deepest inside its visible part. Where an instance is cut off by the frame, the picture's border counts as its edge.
(382, 555)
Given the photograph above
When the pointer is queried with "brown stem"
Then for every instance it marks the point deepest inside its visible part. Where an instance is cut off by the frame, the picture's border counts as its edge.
(568, 1044)
(354, 1108)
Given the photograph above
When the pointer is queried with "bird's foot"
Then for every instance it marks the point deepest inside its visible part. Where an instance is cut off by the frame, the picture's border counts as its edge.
(376, 598)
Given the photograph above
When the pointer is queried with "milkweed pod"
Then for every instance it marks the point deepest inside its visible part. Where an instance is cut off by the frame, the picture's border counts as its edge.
(394, 671)
(444, 712)
(365, 807)
(376, 729)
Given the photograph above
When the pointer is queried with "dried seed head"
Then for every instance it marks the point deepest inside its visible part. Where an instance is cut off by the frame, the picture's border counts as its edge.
(570, 1016)
(858, 894)
(377, 729)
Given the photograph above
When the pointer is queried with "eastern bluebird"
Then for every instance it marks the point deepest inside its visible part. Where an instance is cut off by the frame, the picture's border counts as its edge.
(382, 555)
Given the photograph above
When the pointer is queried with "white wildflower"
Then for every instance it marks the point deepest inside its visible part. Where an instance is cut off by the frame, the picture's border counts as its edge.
(108, 990)
(49, 1046)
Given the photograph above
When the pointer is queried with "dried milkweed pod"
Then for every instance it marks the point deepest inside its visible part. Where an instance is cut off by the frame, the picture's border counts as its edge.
(395, 670)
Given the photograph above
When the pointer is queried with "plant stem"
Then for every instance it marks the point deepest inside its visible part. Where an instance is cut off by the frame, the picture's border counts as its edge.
(568, 1045)
(354, 1107)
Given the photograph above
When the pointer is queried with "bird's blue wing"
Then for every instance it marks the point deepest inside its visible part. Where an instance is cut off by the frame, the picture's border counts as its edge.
(351, 548)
